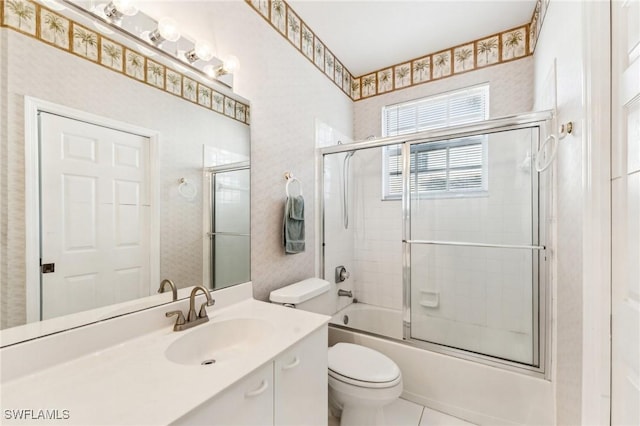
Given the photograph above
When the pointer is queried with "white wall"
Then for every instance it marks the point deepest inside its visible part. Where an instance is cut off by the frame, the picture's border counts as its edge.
(572, 69)
(560, 40)
(287, 95)
(65, 79)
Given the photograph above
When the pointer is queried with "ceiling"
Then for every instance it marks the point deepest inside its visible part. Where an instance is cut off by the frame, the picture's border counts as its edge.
(367, 35)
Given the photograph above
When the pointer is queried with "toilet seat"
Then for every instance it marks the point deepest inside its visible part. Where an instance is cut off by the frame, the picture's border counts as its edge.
(363, 384)
(360, 366)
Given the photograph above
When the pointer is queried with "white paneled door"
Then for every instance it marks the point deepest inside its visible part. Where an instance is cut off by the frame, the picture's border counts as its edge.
(95, 211)
(625, 296)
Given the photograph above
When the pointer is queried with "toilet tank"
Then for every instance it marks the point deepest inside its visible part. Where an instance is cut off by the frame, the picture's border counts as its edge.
(310, 295)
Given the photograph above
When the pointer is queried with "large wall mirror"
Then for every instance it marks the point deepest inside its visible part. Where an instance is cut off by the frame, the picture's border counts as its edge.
(120, 169)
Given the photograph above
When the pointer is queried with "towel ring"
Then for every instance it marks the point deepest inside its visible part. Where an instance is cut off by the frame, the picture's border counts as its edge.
(187, 189)
(292, 179)
(554, 150)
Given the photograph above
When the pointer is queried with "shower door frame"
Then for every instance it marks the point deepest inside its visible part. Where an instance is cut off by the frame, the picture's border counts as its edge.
(213, 173)
(544, 123)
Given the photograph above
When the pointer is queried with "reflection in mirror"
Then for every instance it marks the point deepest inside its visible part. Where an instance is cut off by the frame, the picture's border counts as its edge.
(230, 224)
(116, 165)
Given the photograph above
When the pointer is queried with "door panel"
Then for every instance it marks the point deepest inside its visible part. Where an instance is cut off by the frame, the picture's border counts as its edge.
(625, 292)
(95, 213)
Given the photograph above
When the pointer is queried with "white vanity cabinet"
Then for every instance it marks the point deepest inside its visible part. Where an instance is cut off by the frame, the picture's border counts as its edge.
(247, 402)
(290, 390)
(300, 376)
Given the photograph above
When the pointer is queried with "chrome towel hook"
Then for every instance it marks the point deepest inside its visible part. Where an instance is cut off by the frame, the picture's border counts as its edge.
(565, 129)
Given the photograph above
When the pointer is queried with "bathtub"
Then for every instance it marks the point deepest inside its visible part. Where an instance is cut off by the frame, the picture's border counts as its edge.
(371, 319)
(469, 390)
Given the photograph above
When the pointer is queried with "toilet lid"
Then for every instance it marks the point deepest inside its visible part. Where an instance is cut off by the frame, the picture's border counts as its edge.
(362, 364)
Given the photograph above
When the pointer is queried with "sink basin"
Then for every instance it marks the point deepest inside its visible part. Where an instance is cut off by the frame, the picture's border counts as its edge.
(218, 341)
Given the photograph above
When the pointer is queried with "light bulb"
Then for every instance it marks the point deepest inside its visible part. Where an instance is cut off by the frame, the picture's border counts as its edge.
(211, 71)
(231, 64)
(126, 7)
(168, 29)
(203, 51)
(117, 8)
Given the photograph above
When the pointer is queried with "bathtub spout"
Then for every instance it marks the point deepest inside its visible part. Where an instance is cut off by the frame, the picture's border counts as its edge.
(346, 293)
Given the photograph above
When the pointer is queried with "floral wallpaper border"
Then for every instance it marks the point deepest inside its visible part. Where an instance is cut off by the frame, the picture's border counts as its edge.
(289, 25)
(32, 19)
(505, 46)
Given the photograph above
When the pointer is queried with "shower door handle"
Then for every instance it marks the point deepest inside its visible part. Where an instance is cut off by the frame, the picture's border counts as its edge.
(461, 244)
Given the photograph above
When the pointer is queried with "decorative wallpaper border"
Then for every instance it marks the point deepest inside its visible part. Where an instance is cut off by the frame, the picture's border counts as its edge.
(505, 46)
(289, 25)
(494, 49)
(47, 26)
(539, 13)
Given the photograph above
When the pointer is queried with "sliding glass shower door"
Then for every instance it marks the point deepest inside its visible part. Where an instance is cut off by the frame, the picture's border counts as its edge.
(230, 226)
(446, 239)
(474, 244)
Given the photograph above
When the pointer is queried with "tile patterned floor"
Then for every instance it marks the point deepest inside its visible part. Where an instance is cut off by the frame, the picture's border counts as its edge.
(406, 413)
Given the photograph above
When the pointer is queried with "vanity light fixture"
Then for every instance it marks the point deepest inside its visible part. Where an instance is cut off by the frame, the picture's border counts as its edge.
(201, 51)
(167, 29)
(116, 9)
(149, 36)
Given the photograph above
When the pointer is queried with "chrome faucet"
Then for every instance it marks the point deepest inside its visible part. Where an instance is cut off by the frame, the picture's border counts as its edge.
(347, 293)
(193, 318)
(174, 291)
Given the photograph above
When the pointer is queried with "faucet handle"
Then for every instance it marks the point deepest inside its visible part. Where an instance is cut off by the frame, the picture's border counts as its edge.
(180, 320)
(203, 308)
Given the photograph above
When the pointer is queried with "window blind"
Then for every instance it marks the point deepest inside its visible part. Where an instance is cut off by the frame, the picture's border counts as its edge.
(438, 167)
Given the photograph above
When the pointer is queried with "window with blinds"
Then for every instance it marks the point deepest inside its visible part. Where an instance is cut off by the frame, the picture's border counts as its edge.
(448, 168)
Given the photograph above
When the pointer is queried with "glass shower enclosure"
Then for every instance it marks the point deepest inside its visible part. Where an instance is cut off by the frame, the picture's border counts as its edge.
(446, 239)
(230, 261)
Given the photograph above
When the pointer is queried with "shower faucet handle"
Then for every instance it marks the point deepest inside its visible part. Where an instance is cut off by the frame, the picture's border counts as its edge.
(342, 274)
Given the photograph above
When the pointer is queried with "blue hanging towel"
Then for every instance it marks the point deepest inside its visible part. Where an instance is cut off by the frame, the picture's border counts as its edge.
(294, 225)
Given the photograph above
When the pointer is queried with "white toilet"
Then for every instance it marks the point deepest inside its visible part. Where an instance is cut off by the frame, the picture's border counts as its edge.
(361, 380)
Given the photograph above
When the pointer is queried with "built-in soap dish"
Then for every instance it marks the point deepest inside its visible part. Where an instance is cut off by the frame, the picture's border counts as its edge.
(429, 299)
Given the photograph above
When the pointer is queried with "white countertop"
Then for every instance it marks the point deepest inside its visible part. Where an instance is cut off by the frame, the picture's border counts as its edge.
(133, 383)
